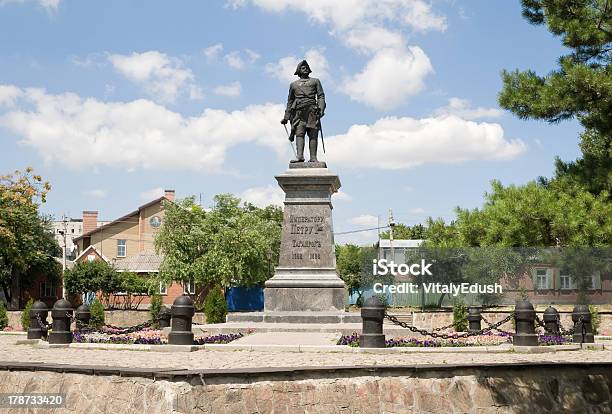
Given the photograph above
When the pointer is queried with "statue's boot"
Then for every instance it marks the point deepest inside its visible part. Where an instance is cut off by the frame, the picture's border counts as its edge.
(299, 143)
(312, 144)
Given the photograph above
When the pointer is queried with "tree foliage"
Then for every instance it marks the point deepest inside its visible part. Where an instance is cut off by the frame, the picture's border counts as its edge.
(354, 265)
(404, 232)
(228, 245)
(580, 87)
(27, 245)
(99, 276)
(215, 306)
(527, 216)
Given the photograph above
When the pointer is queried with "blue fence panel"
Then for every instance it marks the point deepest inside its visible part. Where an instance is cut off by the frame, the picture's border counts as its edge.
(242, 298)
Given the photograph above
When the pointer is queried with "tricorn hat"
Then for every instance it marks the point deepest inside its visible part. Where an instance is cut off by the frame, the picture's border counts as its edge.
(302, 63)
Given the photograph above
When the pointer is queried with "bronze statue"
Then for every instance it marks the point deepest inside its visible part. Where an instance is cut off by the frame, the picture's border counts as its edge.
(305, 108)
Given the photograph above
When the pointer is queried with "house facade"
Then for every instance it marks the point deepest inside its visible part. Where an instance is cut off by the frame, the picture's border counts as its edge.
(128, 244)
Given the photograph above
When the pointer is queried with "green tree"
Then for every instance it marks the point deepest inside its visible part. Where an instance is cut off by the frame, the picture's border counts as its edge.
(3, 316)
(97, 313)
(527, 216)
(25, 314)
(403, 232)
(227, 245)
(580, 88)
(215, 306)
(27, 246)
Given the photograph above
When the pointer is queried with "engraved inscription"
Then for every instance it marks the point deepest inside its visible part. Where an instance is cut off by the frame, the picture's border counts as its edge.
(306, 232)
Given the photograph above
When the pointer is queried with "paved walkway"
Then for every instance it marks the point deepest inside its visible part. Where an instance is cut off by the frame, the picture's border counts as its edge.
(210, 359)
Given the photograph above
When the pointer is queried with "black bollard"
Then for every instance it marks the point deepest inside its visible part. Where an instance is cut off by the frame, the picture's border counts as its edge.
(38, 321)
(182, 314)
(551, 320)
(62, 318)
(524, 319)
(164, 317)
(372, 316)
(583, 331)
(474, 318)
(83, 316)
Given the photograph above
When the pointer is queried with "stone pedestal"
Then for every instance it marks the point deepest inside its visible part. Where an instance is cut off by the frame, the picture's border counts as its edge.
(306, 279)
(305, 287)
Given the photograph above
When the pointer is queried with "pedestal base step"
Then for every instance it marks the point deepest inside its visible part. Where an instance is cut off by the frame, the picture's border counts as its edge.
(295, 317)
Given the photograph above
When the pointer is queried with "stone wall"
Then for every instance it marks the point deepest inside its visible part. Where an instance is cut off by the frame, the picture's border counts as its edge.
(528, 389)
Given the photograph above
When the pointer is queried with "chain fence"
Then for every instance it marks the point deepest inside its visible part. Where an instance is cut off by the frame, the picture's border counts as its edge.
(433, 334)
(490, 327)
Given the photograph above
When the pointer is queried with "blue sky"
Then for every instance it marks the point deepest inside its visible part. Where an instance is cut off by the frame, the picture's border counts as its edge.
(113, 101)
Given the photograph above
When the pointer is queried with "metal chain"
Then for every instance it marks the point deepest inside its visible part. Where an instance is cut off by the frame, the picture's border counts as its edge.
(40, 322)
(424, 332)
(443, 327)
(497, 329)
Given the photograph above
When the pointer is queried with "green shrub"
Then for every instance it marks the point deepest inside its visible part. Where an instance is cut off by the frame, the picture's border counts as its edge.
(595, 319)
(25, 315)
(97, 313)
(460, 313)
(154, 308)
(215, 307)
(3, 316)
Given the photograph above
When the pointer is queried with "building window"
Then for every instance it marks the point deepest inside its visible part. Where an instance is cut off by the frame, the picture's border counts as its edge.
(121, 248)
(189, 287)
(91, 257)
(163, 288)
(47, 290)
(541, 279)
(566, 282)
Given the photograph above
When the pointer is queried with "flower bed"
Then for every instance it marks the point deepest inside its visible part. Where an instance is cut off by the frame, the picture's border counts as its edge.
(489, 339)
(147, 336)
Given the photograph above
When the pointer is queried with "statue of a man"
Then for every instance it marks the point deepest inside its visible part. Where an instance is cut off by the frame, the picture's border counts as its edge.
(305, 108)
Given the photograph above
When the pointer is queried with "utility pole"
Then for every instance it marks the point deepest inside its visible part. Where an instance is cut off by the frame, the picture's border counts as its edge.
(391, 226)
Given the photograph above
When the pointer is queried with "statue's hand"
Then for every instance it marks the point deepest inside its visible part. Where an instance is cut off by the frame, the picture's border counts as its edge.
(291, 138)
(284, 121)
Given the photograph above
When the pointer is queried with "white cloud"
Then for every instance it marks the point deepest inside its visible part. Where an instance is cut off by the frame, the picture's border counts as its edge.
(195, 93)
(212, 52)
(152, 194)
(346, 14)
(369, 39)
(284, 69)
(95, 193)
(421, 18)
(463, 109)
(8, 95)
(49, 5)
(342, 196)
(234, 60)
(87, 133)
(416, 211)
(264, 196)
(238, 60)
(366, 220)
(389, 78)
(232, 90)
(396, 143)
(163, 77)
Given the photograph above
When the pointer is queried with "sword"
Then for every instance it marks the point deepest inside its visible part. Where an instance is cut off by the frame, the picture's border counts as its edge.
(290, 143)
(322, 140)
